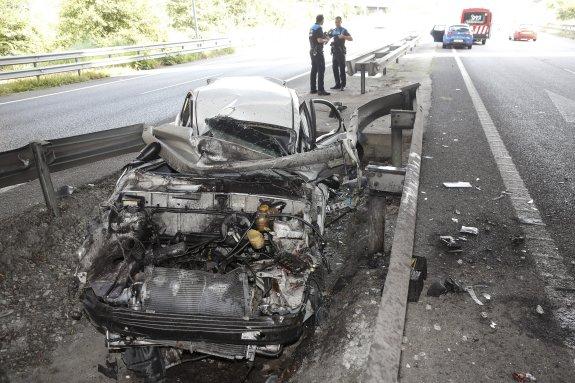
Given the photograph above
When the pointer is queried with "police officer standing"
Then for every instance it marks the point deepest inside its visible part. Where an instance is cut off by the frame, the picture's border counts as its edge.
(340, 36)
(316, 42)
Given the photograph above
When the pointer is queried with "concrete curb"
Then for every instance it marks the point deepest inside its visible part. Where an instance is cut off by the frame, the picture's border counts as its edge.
(385, 352)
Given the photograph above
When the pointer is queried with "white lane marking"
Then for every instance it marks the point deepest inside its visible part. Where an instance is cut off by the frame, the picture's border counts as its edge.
(564, 105)
(304, 73)
(8, 188)
(297, 76)
(77, 89)
(568, 70)
(182, 83)
(548, 260)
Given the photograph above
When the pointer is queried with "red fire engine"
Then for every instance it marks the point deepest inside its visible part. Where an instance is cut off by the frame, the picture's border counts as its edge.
(480, 21)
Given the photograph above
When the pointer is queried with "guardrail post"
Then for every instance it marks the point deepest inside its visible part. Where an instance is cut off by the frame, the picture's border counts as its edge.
(400, 119)
(362, 79)
(79, 71)
(44, 178)
(35, 65)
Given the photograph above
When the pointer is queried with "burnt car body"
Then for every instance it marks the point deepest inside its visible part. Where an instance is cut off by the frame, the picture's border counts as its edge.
(212, 240)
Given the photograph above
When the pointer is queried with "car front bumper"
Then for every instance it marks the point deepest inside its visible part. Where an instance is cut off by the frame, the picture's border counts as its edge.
(125, 322)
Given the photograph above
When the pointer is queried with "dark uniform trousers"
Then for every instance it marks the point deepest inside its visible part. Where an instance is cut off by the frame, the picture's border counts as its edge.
(338, 64)
(317, 71)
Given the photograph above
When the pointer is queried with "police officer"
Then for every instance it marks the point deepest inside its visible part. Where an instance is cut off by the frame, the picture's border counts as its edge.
(340, 36)
(316, 42)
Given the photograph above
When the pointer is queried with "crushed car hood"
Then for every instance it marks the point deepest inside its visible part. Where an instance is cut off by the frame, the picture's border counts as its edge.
(245, 99)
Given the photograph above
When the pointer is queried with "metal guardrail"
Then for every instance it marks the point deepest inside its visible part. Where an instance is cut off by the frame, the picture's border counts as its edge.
(385, 351)
(561, 27)
(142, 52)
(39, 158)
(374, 61)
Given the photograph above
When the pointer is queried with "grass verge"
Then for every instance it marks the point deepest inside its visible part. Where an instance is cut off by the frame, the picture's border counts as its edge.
(179, 59)
(49, 81)
(54, 80)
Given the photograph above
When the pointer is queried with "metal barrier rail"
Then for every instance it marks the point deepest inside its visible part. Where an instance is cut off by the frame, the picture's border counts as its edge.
(166, 49)
(39, 158)
(385, 350)
(374, 61)
(561, 27)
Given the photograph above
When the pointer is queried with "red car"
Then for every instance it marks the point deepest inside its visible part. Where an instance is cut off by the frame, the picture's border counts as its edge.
(524, 32)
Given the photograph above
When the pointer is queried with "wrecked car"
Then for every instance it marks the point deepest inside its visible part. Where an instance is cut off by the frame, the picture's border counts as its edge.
(212, 240)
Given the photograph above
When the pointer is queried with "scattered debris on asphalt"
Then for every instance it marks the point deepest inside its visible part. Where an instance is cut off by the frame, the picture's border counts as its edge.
(503, 194)
(450, 241)
(65, 191)
(523, 377)
(473, 296)
(531, 221)
(455, 220)
(517, 239)
(448, 285)
(469, 230)
(539, 310)
(458, 184)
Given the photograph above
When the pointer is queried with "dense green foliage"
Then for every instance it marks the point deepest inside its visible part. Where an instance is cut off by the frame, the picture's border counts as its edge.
(16, 34)
(564, 9)
(31, 26)
(107, 23)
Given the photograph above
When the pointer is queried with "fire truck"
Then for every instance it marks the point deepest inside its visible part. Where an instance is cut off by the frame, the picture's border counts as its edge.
(480, 21)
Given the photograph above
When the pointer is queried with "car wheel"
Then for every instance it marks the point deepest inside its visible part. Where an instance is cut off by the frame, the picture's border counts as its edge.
(145, 362)
(444, 46)
(376, 219)
(483, 41)
(470, 46)
(510, 38)
(534, 39)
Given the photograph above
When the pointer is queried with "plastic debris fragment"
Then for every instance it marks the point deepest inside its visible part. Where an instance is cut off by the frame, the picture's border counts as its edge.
(469, 230)
(458, 184)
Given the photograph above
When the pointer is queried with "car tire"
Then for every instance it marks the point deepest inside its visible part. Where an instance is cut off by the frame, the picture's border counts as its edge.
(376, 219)
(484, 41)
(146, 362)
(510, 38)
(444, 46)
(470, 46)
(534, 39)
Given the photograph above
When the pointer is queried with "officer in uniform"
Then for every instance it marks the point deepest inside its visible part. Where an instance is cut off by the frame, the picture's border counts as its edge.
(316, 41)
(340, 36)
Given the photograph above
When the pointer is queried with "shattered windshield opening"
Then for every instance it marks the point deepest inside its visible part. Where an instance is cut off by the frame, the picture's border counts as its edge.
(264, 138)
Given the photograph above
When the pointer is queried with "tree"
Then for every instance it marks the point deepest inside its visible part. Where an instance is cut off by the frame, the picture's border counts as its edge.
(16, 35)
(106, 23)
(220, 15)
(565, 9)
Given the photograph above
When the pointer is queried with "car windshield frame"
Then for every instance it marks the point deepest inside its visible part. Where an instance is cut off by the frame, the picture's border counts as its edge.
(265, 138)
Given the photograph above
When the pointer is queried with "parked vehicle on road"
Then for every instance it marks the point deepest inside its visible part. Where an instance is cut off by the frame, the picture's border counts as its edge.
(437, 32)
(524, 32)
(479, 19)
(458, 35)
(212, 241)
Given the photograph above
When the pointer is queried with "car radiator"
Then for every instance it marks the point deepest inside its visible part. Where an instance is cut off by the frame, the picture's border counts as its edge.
(179, 291)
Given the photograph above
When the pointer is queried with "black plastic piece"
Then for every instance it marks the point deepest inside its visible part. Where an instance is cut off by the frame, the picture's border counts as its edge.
(417, 278)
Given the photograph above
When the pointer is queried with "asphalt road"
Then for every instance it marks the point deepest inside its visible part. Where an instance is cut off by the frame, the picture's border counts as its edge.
(151, 97)
(527, 90)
